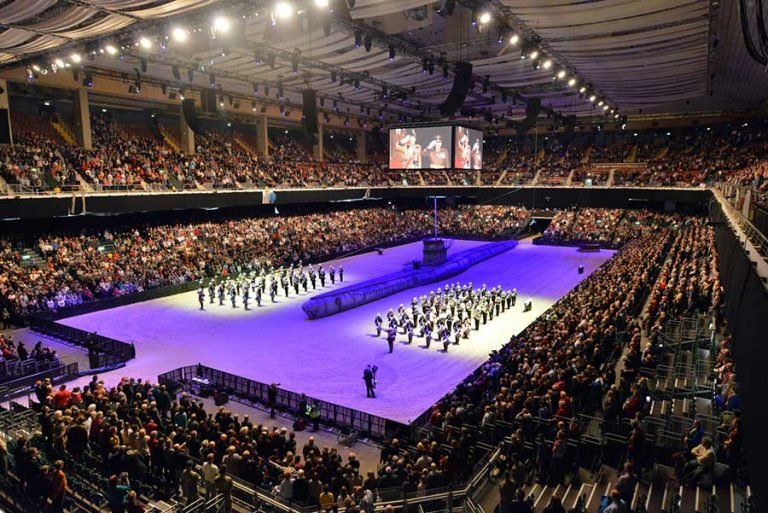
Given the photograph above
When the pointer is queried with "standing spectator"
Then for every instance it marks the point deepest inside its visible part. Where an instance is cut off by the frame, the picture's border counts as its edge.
(132, 504)
(224, 485)
(210, 473)
(116, 493)
(190, 482)
(59, 487)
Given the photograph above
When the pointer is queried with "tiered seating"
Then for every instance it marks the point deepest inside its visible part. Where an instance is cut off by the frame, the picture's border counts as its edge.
(105, 264)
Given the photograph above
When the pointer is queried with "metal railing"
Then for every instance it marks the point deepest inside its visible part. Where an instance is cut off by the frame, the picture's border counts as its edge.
(251, 391)
(19, 387)
(727, 196)
(102, 351)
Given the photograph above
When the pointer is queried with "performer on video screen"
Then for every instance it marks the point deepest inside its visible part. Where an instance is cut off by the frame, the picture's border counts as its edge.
(408, 153)
(477, 155)
(463, 157)
(438, 155)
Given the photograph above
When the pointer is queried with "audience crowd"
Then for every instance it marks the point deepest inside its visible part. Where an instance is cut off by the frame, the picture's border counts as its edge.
(92, 265)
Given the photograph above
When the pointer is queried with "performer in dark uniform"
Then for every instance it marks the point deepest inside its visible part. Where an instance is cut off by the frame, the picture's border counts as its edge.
(341, 274)
(233, 296)
(221, 294)
(391, 335)
(273, 289)
(321, 274)
(370, 382)
(211, 292)
(377, 321)
(332, 275)
(246, 296)
(201, 297)
(258, 296)
(312, 277)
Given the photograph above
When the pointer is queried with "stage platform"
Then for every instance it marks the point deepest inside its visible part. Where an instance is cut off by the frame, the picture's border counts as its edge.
(324, 358)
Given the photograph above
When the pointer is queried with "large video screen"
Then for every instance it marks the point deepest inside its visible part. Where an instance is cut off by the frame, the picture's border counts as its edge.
(469, 148)
(420, 147)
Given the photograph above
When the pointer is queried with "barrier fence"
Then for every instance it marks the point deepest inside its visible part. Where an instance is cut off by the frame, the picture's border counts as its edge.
(25, 385)
(252, 391)
(102, 351)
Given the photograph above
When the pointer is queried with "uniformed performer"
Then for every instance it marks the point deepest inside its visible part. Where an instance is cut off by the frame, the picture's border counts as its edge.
(377, 321)
(341, 274)
(221, 294)
(321, 275)
(332, 275)
(233, 295)
(391, 335)
(201, 297)
(312, 277)
(211, 292)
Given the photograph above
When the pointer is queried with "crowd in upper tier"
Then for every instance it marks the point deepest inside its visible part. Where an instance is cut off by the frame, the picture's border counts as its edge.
(130, 156)
(91, 265)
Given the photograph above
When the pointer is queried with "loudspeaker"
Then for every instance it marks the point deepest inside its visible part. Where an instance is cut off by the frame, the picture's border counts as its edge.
(567, 135)
(461, 84)
(5, 127)
(190, 115)
(309, 104)
(209, 103)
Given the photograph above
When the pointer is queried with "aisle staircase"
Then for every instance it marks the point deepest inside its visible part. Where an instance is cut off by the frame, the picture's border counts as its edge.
(64, 132)
(502, 157)
(611, 175)
(501, 177)
(569, 180)
(632, 156)
(31, 258)
(662, 153)
(535, 180)
(540, 155)
(170, 139)
(252, 151)
(4, 186)
(586, 156)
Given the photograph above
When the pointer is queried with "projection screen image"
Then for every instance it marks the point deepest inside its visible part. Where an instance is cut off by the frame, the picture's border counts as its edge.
(469, 148)
(420, 147)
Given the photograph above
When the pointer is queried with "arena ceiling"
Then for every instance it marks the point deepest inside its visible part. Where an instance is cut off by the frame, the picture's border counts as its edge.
(636, 56)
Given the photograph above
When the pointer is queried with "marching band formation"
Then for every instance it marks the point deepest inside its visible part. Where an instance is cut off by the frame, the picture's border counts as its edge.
(446, 315)
(254, 285)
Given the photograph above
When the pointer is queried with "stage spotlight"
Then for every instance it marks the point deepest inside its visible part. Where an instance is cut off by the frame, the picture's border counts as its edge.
(561, 74)
(221, 25)
(533, 54)
(111, 49)
(547, 63)
(484, 18)
(59, 63)
(322, 4)
(514, 39)
(605, 107)
(75, 57)
(592, 98)
(179, 35)
(572, 82)
(283, 10)
(600, 103)
(145, 43)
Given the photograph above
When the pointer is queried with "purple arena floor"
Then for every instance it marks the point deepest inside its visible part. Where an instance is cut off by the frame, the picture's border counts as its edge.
(325, 358)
